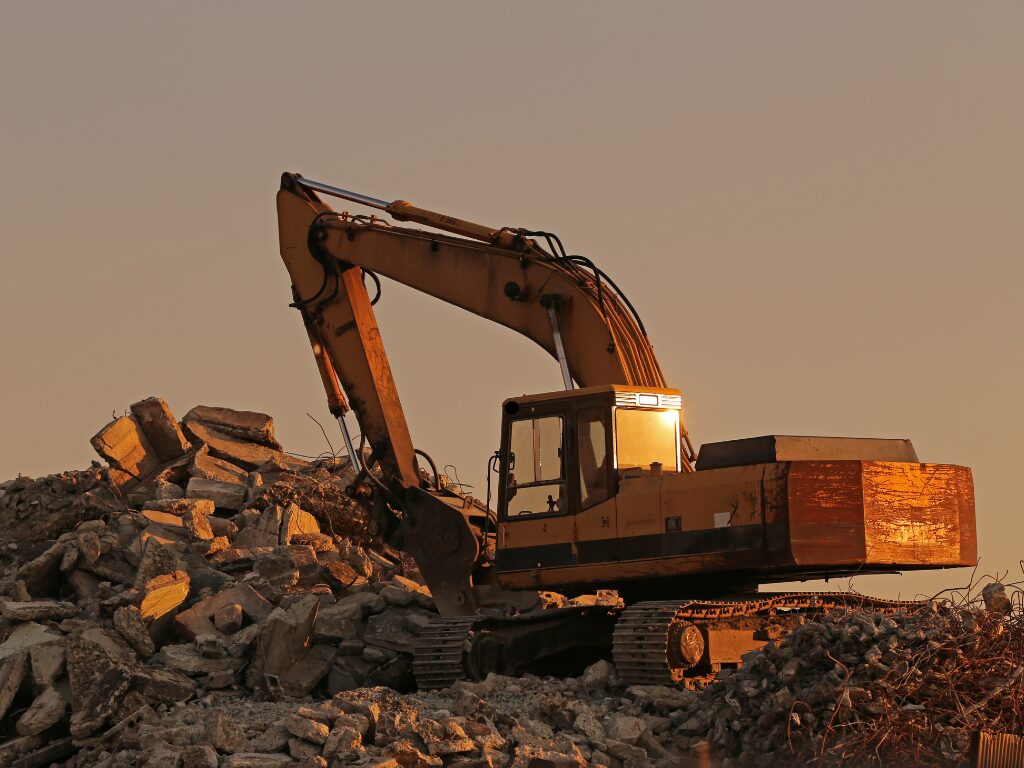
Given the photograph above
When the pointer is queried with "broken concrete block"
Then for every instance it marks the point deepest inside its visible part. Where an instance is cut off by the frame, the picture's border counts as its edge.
(342, 739)
(624, 728)
(409, 757)
(45, 712)
(390, 630)
(283, 641)
(201, 756)
(166, 491)
(161, 598)
(228, 618)
(242, 453)
(11, 750)
(157, 560)
(256, 760)
(211, 646)
(41, 575)
(167, 535)
(100, 667)
(130, 625)
(13, 671)
(264, 532)
(310, 572)
(395, 595)
(223, 528)
(199, 619)
(320, 542)
(123, 446)
(165, 519)
(162, 686)
(273, 739)
(180, 507)
(210, 467)
(48, 661)
(278, 568)
(342, 575)
(250, 426)
(24, 637)
(86, 585)
(240, 642)
(198, 524)
(305, 728)
(35, 756)
(233, 560)
(223, 495)
(186, 658)
(303, 751)
(161, 429)
(295, 521)
(225, 734)
(302, 677)
(357, 606)
(36, 610)
(89, 545)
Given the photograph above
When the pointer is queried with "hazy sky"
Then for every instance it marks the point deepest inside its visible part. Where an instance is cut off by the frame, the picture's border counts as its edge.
(816, 207)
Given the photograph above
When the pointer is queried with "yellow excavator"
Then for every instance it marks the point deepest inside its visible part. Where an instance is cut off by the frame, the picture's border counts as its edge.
(598, 485)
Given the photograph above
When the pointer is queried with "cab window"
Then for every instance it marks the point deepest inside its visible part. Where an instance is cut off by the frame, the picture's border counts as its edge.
(536, 476)
(591, 437)
(645, 437)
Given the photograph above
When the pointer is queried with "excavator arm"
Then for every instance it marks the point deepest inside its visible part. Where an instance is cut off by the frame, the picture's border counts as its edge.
(563, 303)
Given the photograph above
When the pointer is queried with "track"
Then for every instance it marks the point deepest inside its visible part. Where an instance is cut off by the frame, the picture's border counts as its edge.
(677, 643)
(437, 659)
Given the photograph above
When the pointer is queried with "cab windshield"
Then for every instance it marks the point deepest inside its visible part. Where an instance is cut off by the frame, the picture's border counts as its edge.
(644, 437)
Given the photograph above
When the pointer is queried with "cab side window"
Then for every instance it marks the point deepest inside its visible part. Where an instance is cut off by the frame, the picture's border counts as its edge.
(536, 474)
(591, 433)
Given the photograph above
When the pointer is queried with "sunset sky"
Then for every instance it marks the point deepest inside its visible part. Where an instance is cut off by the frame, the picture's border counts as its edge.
(816, 207)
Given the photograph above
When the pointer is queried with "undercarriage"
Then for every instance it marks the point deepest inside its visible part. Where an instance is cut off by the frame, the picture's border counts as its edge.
(673, 642)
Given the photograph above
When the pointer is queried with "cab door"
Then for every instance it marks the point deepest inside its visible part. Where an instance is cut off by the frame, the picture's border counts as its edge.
(597, 519)
(536, 529)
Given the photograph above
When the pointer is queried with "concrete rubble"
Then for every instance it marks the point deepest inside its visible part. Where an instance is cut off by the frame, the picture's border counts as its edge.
(202, 599)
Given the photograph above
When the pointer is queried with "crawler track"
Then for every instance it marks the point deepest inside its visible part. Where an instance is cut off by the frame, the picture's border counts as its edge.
(438, 656)
(648, 635)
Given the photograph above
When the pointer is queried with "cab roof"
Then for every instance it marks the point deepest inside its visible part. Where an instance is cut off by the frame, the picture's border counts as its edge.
(612, 390)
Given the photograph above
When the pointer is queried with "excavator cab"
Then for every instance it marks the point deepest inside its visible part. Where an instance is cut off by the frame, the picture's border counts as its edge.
(563, 457)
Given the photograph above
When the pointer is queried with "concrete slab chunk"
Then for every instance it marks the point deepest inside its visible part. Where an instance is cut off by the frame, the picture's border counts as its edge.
(123, 446)
(225, 495)
(45, 712)
(13, 671)
(161, 429)
(200, 618)
(26, 636)
(244, 425)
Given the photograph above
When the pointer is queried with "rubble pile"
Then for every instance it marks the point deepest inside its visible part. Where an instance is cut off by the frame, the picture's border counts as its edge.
(190, 563)
(870, 689)
(502, 721)
(202, 599)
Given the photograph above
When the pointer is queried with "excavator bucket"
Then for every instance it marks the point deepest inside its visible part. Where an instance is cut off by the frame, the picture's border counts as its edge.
(440, 539)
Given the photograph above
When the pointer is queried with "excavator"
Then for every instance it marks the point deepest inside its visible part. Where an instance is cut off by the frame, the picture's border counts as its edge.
(598, 486)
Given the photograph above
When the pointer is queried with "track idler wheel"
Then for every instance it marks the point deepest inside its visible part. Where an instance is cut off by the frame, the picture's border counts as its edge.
(685, 645)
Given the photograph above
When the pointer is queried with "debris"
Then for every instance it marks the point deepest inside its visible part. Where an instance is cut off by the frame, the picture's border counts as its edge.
(157, 423)
(46, 711)
(12, 675)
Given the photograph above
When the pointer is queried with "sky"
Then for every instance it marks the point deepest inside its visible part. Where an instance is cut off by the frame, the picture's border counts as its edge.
(816, 207)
